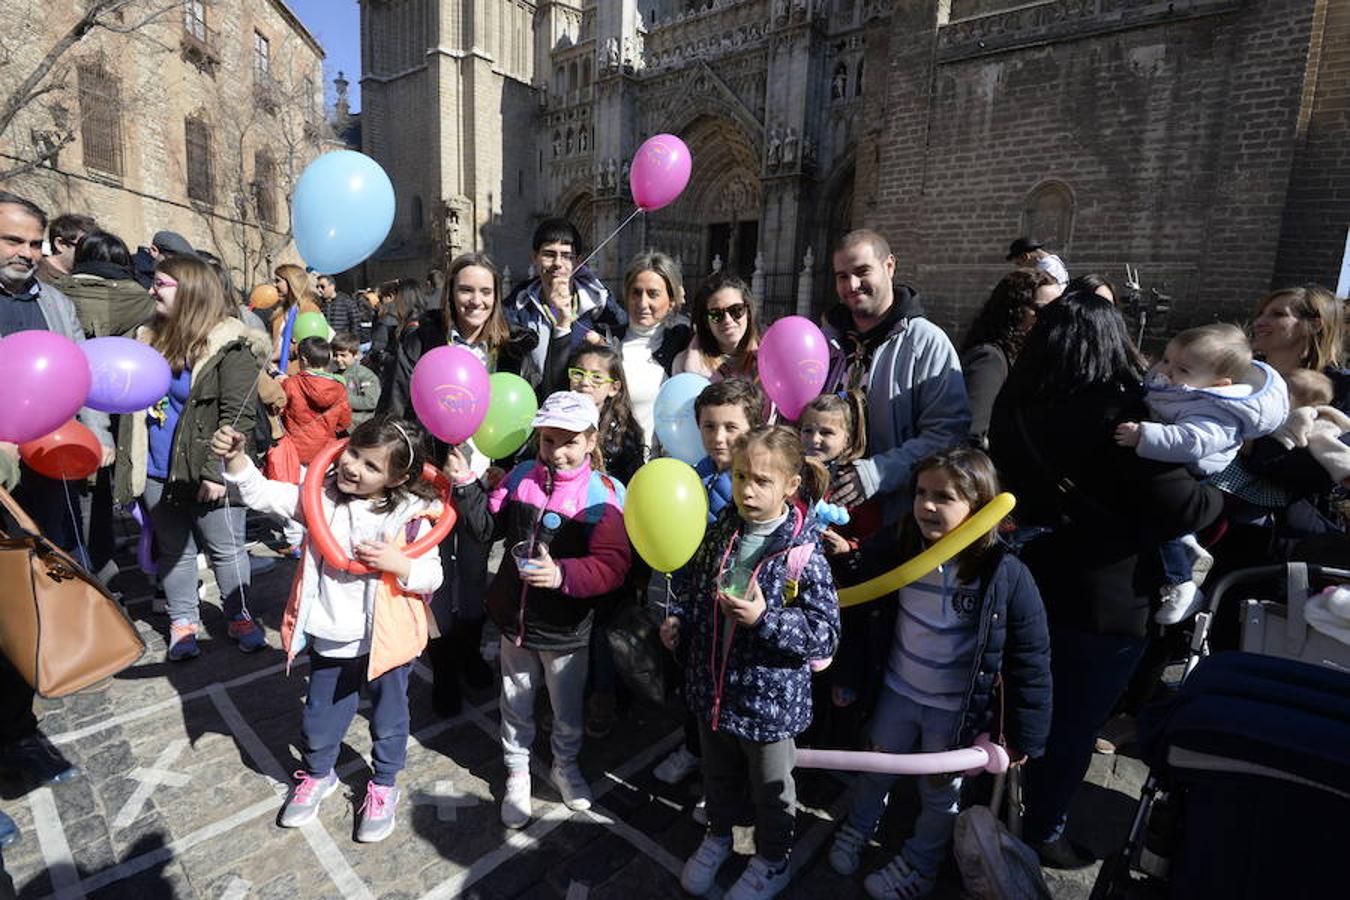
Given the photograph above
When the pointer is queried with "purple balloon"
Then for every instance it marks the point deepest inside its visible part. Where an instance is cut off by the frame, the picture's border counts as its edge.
(128, 376)
(794, 361)
(145, 546)
(450, 393)
(45, 378)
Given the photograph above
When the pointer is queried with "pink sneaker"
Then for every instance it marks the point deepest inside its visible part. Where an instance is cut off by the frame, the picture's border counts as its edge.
(377, 813)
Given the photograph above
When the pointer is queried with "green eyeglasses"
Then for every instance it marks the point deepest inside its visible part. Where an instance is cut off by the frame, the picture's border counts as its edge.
(586, 376)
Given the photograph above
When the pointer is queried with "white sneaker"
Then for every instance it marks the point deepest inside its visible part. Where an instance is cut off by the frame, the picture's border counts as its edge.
(761, 880)
(846, 851)
(1179, 603)
(1201, 559)
(700, 870)
(700, 812)
(576, 793)
(516, 800)
(676, 767)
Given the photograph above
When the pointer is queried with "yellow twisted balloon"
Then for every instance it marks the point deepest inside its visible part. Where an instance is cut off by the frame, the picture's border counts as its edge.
(958, 539)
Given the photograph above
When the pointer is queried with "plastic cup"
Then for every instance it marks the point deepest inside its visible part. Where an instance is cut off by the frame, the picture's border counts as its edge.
(524, 560)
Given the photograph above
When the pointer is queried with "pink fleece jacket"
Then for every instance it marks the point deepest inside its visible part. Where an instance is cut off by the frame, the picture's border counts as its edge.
(605, 566)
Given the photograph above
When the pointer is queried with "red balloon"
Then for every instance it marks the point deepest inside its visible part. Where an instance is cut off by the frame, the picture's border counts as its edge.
(311, 501)
(71, 452)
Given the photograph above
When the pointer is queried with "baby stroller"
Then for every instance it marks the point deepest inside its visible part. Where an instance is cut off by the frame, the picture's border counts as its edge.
(1249, 787)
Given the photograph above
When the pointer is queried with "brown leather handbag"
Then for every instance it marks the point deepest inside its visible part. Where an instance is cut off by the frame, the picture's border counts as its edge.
(58, 626)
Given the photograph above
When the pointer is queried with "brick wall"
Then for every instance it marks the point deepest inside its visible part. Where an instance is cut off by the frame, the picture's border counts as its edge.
(1317, 209)
(1173, 125)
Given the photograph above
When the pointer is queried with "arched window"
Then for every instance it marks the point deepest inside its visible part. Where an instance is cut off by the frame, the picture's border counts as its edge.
(417, 214)
(569, 141)
(857, 80)
(1047, 215)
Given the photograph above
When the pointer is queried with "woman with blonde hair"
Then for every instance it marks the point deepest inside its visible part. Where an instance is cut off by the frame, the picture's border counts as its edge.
(658, 331)
(164, 454)
(294, 297)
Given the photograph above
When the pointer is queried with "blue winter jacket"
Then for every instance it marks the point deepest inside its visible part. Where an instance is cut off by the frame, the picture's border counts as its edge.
(602, 314)
(717, 484)
(1013, 644)
(759, 688)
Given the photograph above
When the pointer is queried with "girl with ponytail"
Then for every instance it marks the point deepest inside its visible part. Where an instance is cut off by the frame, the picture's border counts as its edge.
(760, 606)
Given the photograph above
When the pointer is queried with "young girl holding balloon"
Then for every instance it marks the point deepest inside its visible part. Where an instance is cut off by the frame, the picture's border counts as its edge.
(563, 522)
(833, 429)
(760, 606)
(363, 631)
(962, 633)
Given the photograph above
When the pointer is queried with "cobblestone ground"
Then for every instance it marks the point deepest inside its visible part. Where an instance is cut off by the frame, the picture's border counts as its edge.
(186, 767)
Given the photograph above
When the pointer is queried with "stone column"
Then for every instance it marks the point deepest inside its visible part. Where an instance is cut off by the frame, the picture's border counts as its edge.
(614, 118)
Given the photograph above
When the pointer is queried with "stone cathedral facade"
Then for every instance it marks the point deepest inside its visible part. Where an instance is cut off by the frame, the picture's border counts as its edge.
(1204, 142)
(490, 114)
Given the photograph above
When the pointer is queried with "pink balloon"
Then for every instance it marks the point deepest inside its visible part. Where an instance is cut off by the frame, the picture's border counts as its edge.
(985, 756)
(46, 380)
(794, 360)
(450, 393)
(660, 171)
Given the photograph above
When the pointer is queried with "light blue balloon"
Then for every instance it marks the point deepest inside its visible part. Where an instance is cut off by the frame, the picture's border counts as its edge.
(676, 425)
(341, 211)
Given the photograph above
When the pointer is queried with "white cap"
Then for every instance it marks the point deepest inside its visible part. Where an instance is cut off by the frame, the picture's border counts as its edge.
(569, 410)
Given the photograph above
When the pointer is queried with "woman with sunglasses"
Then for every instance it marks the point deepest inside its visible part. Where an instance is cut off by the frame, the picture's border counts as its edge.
(726, 336)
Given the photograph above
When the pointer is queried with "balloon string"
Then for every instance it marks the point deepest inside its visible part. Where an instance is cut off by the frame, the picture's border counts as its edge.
(75, 526)
(237, 544)
(636, 212)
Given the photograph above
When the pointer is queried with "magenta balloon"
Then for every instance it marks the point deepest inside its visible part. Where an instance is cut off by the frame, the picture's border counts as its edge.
(660, 171)
(45, 378)
(794, 360)
(128, 376)
(450, 393)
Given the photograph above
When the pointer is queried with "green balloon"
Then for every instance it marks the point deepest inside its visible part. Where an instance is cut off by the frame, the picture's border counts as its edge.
(666, 513)
(310, 324)
(506, 427)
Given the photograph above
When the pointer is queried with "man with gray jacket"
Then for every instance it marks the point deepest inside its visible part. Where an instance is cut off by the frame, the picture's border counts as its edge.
(29, 305)
(906, 366)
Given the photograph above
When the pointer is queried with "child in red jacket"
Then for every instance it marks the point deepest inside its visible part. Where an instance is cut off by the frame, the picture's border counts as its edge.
(316, 412)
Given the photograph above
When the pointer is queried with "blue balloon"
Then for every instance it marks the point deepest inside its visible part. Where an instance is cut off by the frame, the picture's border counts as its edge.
(676, 425)
(342, 210)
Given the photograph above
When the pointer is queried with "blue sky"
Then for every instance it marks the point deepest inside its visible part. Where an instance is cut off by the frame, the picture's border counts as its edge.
(337, 25)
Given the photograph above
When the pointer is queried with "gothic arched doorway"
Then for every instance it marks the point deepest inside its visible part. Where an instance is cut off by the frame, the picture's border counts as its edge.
(717, 217)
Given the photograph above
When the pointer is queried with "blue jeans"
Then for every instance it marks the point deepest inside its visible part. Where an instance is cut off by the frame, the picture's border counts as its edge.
(1176, 562)
(1090, 673)
(334, 691)
(180, 529)
(900, 725)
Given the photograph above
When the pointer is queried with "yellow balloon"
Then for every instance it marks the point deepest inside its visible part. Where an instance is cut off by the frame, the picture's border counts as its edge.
(956, 540)
(666, 513)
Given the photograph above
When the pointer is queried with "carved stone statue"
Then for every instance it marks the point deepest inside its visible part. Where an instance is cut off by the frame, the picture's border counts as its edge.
(582, 140)
(790, 147)
(612, 173)
(612, 53)
(557, 144)
(780, 11)
(628, 53)
(839, 84)
(775, 147)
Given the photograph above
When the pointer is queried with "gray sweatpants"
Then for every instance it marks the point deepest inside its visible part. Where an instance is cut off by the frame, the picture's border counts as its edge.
(524, 671)
(730, 764)
(182, 529)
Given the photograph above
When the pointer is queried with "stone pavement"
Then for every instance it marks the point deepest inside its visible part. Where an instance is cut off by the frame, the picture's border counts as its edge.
(186, 766)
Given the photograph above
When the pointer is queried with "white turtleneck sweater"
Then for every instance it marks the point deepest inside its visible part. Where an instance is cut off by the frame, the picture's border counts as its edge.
(643, 374)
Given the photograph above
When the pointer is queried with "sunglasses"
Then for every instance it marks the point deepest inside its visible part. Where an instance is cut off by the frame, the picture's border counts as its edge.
(735, 310)
(584, 376)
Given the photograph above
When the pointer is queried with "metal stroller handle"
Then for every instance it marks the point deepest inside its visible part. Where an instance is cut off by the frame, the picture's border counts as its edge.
(1203, 620)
